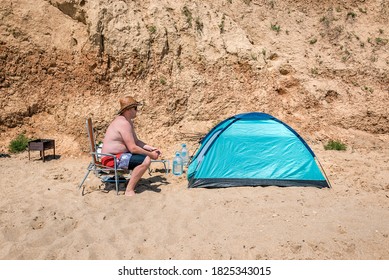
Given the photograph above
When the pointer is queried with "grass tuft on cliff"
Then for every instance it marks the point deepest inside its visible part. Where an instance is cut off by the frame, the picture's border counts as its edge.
(335, 145)
(19, 144)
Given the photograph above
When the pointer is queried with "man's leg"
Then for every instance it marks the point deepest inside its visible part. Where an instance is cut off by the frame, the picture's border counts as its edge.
(136, 174)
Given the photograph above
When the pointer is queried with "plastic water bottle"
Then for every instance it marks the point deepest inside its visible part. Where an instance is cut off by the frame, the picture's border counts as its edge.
(178, 165)
(184, 154)
(98, 149)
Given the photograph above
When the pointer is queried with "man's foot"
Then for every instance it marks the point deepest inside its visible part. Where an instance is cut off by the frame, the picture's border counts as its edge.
(129, 193)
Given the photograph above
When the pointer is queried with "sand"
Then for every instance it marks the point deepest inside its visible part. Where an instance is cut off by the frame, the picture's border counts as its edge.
(44, 216)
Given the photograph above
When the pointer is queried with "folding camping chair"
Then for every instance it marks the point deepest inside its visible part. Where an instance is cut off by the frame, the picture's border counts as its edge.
(101, 171)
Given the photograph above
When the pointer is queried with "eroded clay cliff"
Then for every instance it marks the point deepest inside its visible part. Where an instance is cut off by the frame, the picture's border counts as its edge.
(320, 66)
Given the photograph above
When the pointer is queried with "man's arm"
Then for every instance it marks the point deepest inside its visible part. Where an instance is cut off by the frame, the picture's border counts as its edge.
(145, 146)
(127, 132)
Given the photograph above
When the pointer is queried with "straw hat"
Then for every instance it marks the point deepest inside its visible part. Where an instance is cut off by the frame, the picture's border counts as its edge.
(126, 103)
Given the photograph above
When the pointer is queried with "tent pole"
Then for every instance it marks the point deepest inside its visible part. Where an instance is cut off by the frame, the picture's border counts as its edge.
(322, 170)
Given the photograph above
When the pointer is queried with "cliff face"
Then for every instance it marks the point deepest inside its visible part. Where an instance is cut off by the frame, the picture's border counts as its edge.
(322, 67)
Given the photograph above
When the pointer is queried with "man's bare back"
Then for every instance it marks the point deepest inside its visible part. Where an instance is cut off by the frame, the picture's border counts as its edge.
(113, 141)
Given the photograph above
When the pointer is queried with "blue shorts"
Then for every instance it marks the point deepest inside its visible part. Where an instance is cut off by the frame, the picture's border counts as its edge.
(135, 160)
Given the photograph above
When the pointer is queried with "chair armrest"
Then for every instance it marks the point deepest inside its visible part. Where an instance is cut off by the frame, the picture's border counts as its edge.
(103, 154)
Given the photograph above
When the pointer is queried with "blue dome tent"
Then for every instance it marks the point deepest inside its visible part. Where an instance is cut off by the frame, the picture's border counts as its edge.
(254, 149)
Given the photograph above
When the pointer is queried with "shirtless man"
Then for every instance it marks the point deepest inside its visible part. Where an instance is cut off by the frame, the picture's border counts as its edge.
(121, 138)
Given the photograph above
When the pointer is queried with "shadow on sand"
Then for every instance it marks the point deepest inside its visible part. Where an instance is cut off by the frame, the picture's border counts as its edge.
(47, 158)
(152, 184)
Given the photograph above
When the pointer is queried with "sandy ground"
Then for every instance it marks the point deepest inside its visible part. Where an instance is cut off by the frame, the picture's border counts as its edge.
(44, 216)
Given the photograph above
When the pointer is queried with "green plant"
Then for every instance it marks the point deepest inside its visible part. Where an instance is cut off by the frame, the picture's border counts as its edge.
(314, 71)
(346, 56)
(199, 25)
(351, 14)
(162, 80)
(369, 89)
(179, 65)
(313, 41)
(152, 29)
(364, 11)
(221, 25)
(275, 27)
(325, 20)
(19, 144)
(335, 145)
(188, 15)
(381, 41)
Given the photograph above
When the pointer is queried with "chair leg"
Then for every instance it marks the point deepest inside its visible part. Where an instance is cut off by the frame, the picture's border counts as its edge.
(117, 182)
(83, 180)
